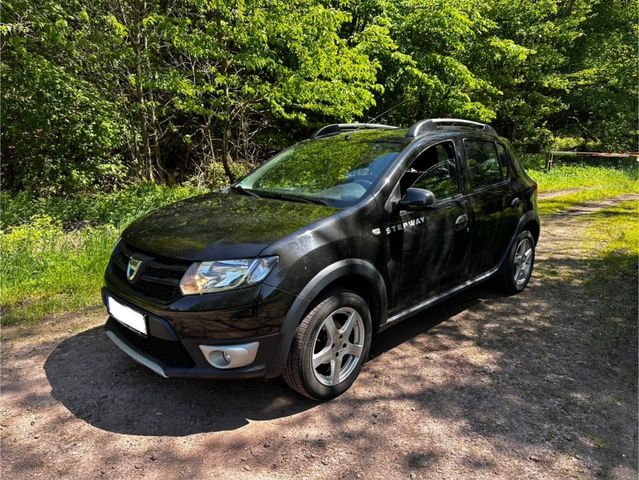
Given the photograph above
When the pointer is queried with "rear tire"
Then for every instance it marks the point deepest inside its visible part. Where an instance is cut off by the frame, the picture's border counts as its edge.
(515, 273)
(330, 346)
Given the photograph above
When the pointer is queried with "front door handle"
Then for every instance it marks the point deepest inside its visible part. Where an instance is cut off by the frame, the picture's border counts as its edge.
(515, 203)
(461, 222)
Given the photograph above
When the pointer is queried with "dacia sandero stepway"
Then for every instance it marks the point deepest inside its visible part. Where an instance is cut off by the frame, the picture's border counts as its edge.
(293, 269)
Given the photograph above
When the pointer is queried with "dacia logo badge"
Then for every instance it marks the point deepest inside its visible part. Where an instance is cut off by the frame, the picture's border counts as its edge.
(133, 268)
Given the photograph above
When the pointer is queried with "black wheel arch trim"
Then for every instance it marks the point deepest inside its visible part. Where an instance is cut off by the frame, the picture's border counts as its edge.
(327, 276)
(526, 218)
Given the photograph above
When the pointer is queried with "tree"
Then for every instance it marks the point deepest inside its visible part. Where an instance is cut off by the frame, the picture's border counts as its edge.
(236, 68)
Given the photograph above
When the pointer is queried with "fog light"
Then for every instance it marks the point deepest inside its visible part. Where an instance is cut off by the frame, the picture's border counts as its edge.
(230, 356)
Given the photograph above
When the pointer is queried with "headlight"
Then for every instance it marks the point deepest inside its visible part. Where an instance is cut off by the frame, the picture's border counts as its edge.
(220, 275)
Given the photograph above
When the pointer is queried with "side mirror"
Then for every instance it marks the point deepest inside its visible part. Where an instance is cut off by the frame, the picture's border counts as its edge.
(416, 199)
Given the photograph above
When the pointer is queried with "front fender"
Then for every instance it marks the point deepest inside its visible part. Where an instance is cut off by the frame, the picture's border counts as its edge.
(310, 292)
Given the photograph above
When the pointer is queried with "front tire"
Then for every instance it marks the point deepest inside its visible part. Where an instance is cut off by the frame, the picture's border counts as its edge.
(515, 273)
(330, 346)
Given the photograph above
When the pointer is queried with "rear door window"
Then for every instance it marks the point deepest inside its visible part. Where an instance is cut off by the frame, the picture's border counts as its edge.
(484, 164)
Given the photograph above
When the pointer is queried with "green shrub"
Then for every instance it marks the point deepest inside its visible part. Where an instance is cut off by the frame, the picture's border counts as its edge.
(214, 177)
(533, 161)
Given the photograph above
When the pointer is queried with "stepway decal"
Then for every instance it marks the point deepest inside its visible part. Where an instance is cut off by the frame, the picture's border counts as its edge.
(400, 226)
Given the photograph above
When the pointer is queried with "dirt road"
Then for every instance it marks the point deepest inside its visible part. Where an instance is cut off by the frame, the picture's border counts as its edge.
(539, 385)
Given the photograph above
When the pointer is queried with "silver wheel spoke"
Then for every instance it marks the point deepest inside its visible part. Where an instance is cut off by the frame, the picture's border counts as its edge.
(336, 367)
(323, 356)
(331, 330)
(349, 324)
(352, 349)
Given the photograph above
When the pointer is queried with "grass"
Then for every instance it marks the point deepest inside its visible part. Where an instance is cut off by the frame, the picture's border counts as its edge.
(46, 270)
(586, 177)
(118, 208)
(614, 234)
(555, 205)
(55, 250)
(583, 184)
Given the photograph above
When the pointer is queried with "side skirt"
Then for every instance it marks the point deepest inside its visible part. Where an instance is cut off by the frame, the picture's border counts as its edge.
(436, 299)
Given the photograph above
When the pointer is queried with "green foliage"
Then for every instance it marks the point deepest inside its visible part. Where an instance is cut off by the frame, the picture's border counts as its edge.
(602, 97)
(55, 250)
(58, 133)
(96, 94)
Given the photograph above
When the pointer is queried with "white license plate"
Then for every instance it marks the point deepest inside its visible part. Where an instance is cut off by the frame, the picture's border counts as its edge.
(126, 315)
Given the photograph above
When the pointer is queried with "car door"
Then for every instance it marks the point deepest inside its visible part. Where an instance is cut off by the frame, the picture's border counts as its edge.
(429, 247)
(493, 206)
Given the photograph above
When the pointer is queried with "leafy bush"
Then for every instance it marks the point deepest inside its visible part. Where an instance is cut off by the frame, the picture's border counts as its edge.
(59, 134)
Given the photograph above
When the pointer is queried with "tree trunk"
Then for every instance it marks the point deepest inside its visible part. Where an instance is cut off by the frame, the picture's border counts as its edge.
(141, 111)
(225, 152)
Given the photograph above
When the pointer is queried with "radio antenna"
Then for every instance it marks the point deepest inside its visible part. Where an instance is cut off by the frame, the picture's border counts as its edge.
(373, 119)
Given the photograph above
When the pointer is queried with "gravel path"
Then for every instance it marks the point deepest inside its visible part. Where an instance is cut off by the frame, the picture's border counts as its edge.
(539, 385)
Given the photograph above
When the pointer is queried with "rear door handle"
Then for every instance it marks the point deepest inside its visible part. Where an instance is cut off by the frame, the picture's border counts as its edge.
(461, 222)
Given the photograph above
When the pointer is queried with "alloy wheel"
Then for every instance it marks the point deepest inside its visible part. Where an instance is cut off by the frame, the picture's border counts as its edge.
(523, 261)
(338, 346)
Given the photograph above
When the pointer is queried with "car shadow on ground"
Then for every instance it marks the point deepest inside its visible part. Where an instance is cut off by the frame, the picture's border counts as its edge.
(99, 384)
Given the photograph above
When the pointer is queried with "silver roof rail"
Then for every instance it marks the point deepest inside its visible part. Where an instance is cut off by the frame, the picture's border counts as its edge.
(431, 124)
(335, 128)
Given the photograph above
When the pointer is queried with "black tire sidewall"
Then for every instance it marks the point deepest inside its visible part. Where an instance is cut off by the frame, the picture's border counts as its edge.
(329, 305)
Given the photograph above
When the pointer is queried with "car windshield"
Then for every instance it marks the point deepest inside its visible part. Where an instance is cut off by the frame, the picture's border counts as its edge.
(337, 170)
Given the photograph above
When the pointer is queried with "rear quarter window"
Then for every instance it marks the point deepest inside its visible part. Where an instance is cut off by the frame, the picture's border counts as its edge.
(503, 158)
(485, 165)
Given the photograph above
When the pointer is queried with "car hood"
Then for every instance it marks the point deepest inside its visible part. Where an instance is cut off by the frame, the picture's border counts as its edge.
(220, 226)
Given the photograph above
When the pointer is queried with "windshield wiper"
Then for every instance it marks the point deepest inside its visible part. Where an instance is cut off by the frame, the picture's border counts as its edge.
(297, 198)
(245, 191)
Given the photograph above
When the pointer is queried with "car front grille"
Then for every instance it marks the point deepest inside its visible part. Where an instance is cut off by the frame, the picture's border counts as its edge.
(159, 278)
(170, 353)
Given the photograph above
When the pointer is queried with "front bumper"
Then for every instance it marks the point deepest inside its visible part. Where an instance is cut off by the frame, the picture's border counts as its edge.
(172, 355)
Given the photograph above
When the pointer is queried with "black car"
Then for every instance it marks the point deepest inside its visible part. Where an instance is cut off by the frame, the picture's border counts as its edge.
(293, 269)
